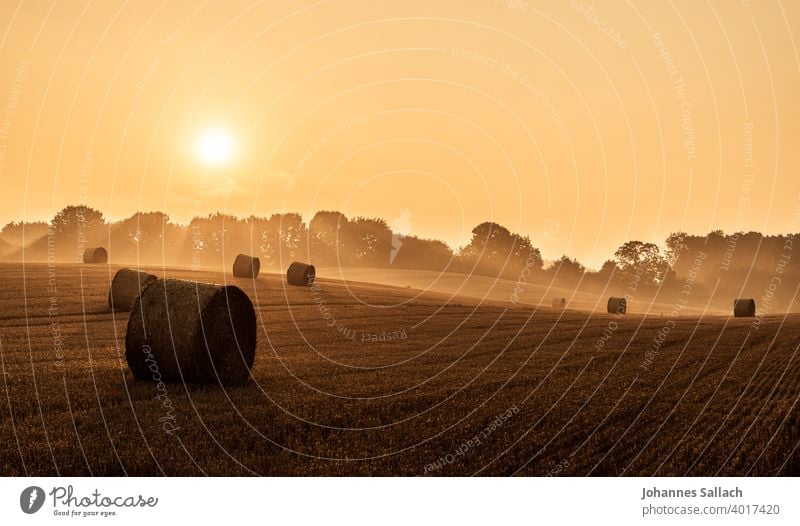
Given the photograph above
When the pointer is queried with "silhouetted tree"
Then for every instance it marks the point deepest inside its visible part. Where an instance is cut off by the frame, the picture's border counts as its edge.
(369, 242)
(284, 238)
(608, 269)
(75, 228)
(325, 239)
(72, 219)
(676, 247)
(494, 250)
(566, 270)
(226, 238)
(19, 233)
(148, 238)
(642, 259)
(426, 254)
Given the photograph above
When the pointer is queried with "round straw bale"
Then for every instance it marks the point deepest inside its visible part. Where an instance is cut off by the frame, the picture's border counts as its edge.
(617, 305)
(559, 303)
(95, 255)
(245, 266)
(744, 308)
(181, 331)
(300, 274)
(126, 286)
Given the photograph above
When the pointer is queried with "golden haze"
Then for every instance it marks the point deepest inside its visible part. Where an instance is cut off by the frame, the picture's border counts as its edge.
(618, 123)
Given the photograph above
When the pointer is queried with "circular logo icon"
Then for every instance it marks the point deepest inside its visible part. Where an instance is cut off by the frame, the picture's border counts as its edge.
(31, 499)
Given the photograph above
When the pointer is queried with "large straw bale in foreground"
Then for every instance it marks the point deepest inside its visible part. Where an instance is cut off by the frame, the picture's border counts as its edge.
(181, 331)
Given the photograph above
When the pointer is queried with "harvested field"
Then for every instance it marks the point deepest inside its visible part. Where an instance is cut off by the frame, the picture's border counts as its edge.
(366, 379)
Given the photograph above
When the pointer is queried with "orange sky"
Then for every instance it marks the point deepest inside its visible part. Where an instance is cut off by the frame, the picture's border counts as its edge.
(626, 121)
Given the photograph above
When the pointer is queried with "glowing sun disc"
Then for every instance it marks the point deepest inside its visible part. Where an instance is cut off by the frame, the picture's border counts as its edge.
(214, 147)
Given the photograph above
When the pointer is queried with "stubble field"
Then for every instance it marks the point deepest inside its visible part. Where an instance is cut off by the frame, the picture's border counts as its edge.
(365, 379)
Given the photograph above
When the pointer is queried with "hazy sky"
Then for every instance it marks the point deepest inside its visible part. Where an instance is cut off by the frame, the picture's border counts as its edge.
(628, 120)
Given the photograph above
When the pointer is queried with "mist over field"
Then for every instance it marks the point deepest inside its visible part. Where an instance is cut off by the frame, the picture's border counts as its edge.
(352, 378)
(689, 273)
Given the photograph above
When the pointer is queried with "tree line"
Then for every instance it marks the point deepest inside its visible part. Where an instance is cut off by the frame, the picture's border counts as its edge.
(739, 264)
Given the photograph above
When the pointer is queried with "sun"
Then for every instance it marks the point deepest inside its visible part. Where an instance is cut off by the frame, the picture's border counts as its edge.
(214, 147)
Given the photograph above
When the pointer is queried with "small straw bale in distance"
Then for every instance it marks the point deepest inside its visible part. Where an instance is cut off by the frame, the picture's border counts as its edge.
(126, 286)
(245, 266)
(300, 274)
(182, 331)
(617, 305)
(744, 308)
(95, 255)
(559, 303)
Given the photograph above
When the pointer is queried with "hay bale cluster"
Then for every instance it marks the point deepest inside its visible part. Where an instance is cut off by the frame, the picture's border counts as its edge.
(617, 305)
(744, 308)
(245, 266)
(559, 303)
(126, 286)
(95, 255)
(182, 331)
(301, 274)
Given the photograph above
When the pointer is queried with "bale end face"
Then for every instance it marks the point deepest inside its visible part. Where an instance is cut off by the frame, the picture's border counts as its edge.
(301, 274)
(617, 305)
(559, 303)
(228, 337)
(744, 308)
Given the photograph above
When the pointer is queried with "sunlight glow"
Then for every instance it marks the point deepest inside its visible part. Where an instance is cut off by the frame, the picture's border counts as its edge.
(214, 147)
